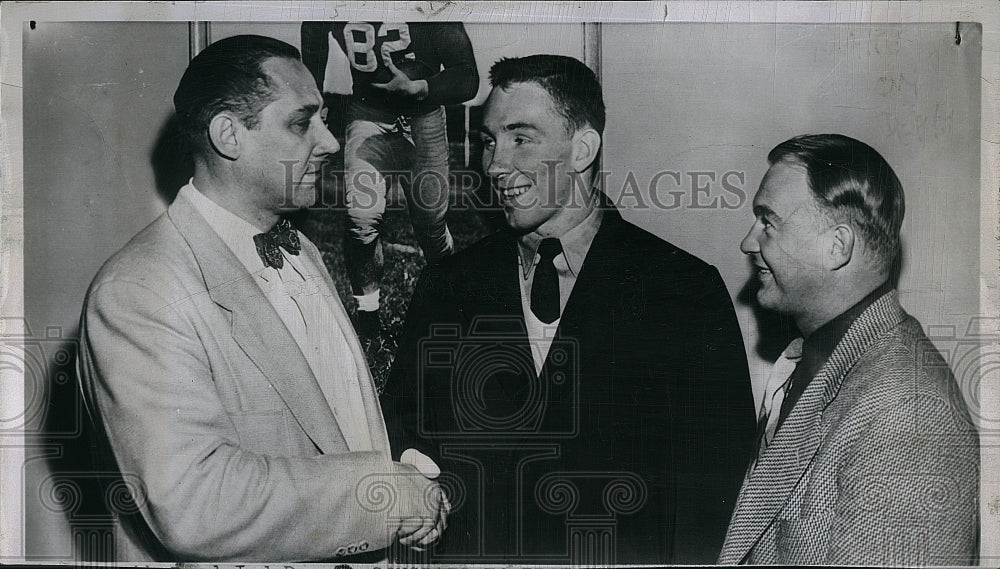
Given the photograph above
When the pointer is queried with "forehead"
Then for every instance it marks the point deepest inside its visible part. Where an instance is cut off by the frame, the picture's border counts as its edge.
(527, 103)
(784, 189)
(293, 85)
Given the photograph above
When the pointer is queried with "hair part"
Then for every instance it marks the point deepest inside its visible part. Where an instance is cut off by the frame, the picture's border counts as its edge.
(573, 86)
(852, 183)
(227, 76)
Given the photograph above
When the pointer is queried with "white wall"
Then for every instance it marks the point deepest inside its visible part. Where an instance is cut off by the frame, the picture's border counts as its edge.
(95, 98)
(716, 98)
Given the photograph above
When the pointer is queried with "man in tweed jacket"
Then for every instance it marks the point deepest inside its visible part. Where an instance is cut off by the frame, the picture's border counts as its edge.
(866, 451)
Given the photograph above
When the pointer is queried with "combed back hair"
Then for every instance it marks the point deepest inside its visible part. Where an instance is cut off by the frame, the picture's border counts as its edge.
(572, 85)
(226, 77)
(852, 184)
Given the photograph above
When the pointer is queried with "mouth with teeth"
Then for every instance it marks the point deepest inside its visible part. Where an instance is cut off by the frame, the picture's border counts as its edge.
(512, 192)
(762, 270)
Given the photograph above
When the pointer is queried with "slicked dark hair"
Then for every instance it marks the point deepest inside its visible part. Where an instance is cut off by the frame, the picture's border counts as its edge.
(571, 84)
(852, 183)
(226, 77)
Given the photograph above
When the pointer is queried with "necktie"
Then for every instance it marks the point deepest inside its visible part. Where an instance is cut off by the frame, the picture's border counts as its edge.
(282, 235)
(778, 383)
(545, 287)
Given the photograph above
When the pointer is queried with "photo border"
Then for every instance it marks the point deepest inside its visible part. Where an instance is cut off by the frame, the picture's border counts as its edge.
(13, 16)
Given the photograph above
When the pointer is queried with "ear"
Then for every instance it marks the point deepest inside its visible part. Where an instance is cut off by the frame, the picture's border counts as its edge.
(223, 132)
(586, 145)
(841, 241)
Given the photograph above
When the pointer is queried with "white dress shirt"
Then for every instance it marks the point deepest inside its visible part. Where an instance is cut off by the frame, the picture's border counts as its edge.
(575, 245)
(299, 294)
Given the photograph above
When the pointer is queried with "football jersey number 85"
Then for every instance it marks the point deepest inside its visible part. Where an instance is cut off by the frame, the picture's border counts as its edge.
(367, 48)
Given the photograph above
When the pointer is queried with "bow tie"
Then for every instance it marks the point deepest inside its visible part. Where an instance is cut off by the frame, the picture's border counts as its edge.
(282, 235)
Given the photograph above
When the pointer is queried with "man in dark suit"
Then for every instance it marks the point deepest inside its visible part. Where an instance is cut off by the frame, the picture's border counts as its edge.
(218, 365)
(866, 451)
(581, 383)
(403, 73)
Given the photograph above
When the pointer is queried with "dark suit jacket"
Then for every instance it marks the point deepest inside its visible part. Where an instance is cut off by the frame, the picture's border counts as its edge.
(877, 463)
(631, 445)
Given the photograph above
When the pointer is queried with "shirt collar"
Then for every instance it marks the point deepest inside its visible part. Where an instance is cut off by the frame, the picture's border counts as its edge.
(818, 347)
(234, 231)
(575, 243)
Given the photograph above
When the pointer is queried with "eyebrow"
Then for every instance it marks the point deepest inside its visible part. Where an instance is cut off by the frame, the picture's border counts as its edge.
(510, 127)
(304, 111)
(764, 211)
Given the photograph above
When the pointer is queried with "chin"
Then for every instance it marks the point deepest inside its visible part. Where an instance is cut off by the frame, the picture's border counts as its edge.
(514, 223)
(304, 197)
(767, 301)
(521, 220)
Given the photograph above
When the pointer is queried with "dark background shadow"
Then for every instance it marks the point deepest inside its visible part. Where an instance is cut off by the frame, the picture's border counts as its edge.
(170, 160)
(75, 485)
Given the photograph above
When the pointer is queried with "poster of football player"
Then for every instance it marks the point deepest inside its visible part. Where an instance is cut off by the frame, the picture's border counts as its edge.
(511, 283)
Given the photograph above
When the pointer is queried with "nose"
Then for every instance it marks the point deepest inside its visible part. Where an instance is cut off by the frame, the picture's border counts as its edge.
(749, 245)
(496, 162)
(326, 143)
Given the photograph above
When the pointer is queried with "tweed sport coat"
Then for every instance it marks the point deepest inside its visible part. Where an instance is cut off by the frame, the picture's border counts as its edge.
(877, 463)
(212, 415)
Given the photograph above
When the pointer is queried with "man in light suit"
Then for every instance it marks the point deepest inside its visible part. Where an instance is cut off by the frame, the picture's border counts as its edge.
(581, 382)
(866, 451)
(218, 365)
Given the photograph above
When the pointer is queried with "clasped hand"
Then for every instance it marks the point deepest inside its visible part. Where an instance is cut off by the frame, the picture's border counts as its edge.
(424, 508)
(402, 84)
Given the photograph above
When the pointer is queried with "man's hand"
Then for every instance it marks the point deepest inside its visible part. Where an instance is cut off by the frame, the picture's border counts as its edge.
(401, 84)
(423, 509)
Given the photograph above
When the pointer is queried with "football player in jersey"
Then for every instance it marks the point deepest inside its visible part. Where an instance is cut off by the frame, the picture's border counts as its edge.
(403, 75)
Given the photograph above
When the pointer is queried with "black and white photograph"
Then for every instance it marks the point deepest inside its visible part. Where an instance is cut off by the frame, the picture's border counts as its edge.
(500, 283)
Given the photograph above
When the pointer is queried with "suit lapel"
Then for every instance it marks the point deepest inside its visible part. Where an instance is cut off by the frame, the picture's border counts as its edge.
(499, 312)
(373, 411)
(785, 461)
(601, 279)
(256, 326)
(500, 294)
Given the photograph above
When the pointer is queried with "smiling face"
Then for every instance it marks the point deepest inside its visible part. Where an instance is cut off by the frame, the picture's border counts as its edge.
(528, 153)
(281, 159)
(785, 242)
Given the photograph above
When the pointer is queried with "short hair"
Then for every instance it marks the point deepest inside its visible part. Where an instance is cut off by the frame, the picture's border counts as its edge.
(227, 76)
(852, 183)
(572, 85)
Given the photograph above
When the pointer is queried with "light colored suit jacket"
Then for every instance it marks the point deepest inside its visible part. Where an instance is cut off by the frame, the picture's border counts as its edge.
(877, 463)
(212, 415)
